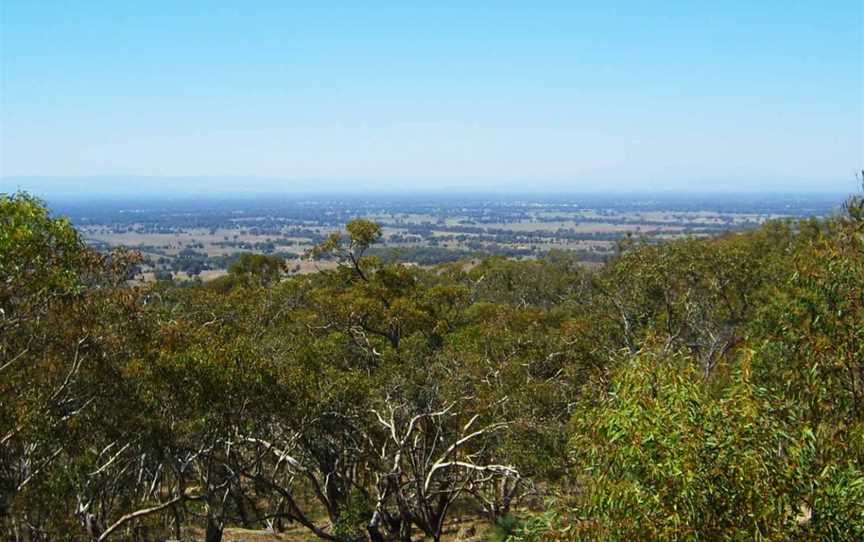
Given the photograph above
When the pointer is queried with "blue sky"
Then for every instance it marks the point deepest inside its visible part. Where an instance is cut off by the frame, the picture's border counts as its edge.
(489, 95)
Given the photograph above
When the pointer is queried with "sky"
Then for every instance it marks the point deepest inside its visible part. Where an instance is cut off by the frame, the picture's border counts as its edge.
(539, 95)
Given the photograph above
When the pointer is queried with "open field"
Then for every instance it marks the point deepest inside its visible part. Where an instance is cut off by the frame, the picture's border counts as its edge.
(200, 239)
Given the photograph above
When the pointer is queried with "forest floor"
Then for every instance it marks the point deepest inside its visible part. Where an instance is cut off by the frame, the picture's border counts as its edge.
(460, 529)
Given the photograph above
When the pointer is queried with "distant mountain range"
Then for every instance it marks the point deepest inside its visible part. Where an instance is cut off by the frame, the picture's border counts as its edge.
(131, 186)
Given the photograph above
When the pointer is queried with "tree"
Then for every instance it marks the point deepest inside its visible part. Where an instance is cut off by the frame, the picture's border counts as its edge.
(69, 328)
(257, 269)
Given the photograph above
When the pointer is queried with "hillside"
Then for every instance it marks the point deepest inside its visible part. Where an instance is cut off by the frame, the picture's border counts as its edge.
(697, 389)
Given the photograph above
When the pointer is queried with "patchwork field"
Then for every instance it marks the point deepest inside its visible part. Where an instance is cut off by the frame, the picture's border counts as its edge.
(200, 239)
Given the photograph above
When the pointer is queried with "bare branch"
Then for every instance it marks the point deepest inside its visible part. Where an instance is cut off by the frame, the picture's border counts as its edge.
(144, 512)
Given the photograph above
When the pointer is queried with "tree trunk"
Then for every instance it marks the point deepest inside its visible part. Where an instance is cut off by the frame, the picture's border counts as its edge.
(177, 521)
(374, 533)
(279, 522)
(405, 531)
(241, 509)
(214, 530)
(22, 531)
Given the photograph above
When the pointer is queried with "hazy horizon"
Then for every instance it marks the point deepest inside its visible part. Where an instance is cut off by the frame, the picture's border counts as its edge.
(553, 97)
(125, 187)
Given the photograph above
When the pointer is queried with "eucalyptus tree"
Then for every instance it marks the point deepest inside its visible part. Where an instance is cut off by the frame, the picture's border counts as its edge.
(71, 333)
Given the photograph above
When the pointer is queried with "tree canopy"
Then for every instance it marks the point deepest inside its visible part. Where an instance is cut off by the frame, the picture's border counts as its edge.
(700, 389)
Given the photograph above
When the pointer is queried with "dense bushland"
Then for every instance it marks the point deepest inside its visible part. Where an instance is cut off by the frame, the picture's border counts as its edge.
(707, 389)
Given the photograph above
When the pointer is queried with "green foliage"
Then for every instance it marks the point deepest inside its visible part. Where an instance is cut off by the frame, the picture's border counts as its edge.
(762, 443)
(257, 269)
(352, 522)
(37, 251)
(507, 527)
(69, 328)
(663, 458)
(548, 525)
(350, 247)
(702, 389)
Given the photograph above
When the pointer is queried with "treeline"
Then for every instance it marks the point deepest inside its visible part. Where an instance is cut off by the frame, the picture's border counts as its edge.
(693, 390)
